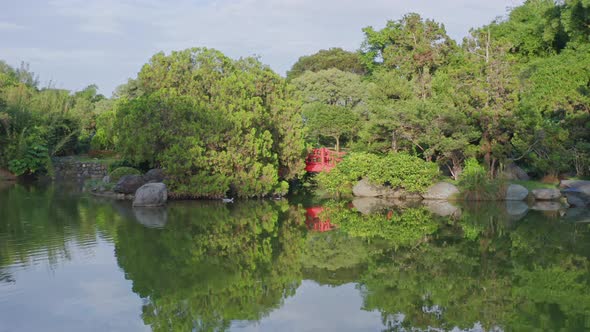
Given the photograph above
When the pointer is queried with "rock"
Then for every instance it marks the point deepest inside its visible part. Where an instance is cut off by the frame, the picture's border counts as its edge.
(577, 215)
(151, 195)
(546, 194)
(513, 172)
(547, 206)
(442, 208)
(128, 184)
(441, 191)
(577, 192)
(6, 175)
(516, 192)
(151, 218)
(106, 179)
(364, 188)
(577, 197)
(411, 196)
(516, 209)
(369, 205)
(154, 175)
(564, 184)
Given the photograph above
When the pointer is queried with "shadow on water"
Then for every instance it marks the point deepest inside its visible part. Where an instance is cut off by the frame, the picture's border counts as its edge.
(203, 266)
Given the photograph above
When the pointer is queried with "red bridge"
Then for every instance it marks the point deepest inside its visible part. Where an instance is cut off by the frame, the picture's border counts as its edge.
(322, 159)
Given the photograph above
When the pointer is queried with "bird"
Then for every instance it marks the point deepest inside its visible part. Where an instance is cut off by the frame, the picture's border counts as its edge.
(227, 200)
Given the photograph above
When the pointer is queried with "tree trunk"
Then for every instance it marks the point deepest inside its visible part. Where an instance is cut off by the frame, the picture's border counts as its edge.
(337, 143)
(393, 141)
(455, 169)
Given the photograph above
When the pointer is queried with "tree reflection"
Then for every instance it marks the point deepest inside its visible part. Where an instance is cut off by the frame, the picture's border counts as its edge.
(214, 263)
(203, 265)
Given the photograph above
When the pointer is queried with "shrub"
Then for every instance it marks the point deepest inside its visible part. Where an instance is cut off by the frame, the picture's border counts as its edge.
(122, 171)
(399, 170)
(476, 185)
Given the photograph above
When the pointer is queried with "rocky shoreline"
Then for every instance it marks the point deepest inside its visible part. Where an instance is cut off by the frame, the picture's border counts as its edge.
(571, 193)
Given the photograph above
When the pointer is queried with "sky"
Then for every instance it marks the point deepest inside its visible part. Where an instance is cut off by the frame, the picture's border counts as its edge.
(73, 43)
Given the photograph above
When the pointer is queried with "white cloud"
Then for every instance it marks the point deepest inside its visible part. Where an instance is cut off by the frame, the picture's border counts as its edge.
(8, 26)
(42, 55)
(127, 32)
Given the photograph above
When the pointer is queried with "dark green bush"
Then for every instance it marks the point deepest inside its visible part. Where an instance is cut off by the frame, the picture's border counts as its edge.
(398, 170)
(475, 184)
(122, 171)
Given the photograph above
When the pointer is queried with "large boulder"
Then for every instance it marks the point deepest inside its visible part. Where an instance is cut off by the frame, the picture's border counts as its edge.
(546, 194)
(154, 175)
(516, 192)
(577, 192)
(151, 195)
(370, 205)
(565, 184)
(151, 218)
(441, 191)
(577, 215)
(577, 197)
(128, 184)
(364, 188)
(442, 208)
(513, 172)
(516, 210)
(547, 206)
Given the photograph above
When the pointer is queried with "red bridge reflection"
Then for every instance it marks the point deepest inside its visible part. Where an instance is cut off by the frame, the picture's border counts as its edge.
(315, 222)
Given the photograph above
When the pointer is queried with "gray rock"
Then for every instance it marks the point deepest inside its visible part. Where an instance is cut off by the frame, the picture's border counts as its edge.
(442, 208)
(151, 195)
(546, 194)
(513, 172)
(564, 184)
(516, 209)
(516, 192)
(154, 175)
(152, 217)
(369, 205)
(441, 191)
(577, 215)
(128, 184)
(547, 206)
(106, 179)
(364, 188)
(577, 197)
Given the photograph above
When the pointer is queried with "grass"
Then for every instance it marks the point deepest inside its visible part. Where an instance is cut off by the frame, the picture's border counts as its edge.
(531, 184)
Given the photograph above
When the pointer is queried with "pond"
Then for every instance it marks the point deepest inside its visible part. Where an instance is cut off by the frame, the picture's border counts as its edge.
(72, 262)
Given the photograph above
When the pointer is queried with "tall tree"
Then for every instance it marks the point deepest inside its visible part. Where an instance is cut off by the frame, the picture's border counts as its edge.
(414, 47)
(215, 124)
(327, 59)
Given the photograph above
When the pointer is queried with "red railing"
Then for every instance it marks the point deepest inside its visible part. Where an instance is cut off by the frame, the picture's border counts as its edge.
(322, 159)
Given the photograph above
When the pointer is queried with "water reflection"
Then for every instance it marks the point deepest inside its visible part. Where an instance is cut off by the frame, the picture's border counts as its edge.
(269, 265)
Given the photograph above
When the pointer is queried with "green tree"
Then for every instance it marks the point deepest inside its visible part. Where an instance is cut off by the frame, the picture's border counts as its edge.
(414, 47)
(214, 124)
(327, 59)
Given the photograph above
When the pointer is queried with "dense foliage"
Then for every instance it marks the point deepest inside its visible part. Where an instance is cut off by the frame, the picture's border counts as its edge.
(214, 124)
(327, 59)
(38, 123)
(516, 90)
(119, 172)
(398, 170)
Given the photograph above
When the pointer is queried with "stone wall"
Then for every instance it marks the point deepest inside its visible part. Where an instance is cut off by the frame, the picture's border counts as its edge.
(69, 168)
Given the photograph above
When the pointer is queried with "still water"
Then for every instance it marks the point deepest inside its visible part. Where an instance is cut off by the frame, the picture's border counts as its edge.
(71, 262)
